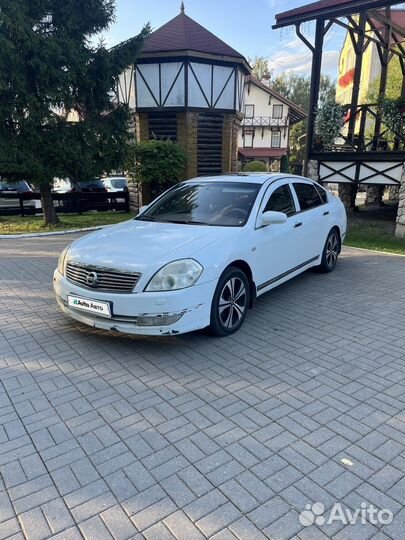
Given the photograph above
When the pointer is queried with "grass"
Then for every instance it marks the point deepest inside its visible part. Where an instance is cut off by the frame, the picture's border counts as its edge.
(34, 224)
(374, 229)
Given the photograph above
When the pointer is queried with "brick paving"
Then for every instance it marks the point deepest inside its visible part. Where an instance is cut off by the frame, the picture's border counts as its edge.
(106, 436)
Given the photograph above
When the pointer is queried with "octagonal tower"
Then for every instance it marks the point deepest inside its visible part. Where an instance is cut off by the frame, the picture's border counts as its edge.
(188, 85)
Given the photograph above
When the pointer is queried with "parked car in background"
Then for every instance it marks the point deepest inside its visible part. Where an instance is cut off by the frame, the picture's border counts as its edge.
(64, 185)
(61, 185)
(89, 186)
(115, 183)
(200, 254)
(13, 203)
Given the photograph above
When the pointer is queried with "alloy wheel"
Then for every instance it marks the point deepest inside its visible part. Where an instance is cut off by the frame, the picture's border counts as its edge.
(232, 303)
(332, 250)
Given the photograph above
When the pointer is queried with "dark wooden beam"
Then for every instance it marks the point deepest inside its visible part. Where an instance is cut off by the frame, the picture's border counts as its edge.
(384, 59)
(357, 74)
(386, 20)
(369, 38)
(299, 15)
(315, 84)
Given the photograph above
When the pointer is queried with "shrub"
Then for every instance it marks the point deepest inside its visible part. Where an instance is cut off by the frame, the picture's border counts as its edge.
(255, 166)
(156, 165)
(329, 122)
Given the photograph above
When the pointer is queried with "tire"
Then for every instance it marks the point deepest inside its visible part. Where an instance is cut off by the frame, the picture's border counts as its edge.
(330, 252)
(230, 302)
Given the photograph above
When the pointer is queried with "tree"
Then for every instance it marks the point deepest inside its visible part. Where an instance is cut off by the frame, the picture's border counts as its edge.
(57, 112)
(296, 88)
(260, 67)
(156, 165)
(394, 83)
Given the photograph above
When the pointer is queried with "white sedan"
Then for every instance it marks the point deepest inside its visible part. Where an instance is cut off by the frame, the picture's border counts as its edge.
(200, 254)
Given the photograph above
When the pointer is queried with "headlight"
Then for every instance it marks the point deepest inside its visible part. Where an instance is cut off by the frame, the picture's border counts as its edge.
(175, 275)
(62, 260)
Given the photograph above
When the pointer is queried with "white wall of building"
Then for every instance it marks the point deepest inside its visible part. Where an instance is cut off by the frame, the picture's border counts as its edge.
(265, 110)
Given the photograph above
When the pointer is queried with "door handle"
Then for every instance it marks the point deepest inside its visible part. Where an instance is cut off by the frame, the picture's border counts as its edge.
(298, 224)
(326, 213)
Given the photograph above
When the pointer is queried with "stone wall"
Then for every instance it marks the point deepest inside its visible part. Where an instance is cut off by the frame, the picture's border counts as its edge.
(374, 196)
(347, 194)
(313, 170)
(142, 134)
(400, 228)
(393, 193)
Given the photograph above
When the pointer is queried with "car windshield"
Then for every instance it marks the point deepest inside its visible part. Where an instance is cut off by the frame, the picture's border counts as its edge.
(225, 204)
(21, 187)
(119, 183)
(91, 184)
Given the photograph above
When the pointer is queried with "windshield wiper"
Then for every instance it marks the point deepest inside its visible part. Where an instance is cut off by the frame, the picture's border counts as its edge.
(145, 218)
(188, 222)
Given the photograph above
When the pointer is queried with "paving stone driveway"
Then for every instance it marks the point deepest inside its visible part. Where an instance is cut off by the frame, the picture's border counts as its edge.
(109, 436)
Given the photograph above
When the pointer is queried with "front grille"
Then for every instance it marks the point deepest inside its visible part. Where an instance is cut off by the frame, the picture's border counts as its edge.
(101, 279)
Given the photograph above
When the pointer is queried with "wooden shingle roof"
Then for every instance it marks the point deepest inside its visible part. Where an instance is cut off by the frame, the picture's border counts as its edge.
(183, 34)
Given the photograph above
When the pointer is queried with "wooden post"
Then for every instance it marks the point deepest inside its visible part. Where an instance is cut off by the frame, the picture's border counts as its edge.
(384, 54)
(357, 75)
(314, 90)
(20, 198)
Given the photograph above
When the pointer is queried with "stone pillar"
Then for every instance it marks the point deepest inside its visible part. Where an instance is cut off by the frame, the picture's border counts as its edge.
(141, 126)
(374, 196)
(187, 139)
(347, 194)
(313, 170)
(393, 194)
(400, 228)
(230, 143)
(135, 197)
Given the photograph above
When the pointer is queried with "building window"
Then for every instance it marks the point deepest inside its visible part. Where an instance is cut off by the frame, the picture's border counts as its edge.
(275, 139)
(277, 111)
(248, 135)
(249, 111)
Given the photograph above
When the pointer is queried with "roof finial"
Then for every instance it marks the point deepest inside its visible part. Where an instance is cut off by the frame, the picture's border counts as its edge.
(182, 7)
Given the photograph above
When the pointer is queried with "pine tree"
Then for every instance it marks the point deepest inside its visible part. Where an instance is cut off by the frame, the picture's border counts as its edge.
(58, 117)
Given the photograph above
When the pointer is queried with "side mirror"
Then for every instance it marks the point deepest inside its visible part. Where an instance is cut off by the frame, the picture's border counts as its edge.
(142, 209)
(272, 218)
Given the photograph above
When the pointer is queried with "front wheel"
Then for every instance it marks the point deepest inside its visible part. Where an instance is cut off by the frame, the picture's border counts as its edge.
(230, 302)
(330, 252)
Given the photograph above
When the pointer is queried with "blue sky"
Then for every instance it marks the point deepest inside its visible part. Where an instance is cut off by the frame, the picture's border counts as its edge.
(243, 24)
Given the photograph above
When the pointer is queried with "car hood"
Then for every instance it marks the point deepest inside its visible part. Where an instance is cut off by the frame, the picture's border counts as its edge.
(140, 245)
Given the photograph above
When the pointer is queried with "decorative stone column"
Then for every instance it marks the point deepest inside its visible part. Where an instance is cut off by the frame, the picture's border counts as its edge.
(313, 170)
(393, 194)
(347, 194)
(400, 228)
(374, 196)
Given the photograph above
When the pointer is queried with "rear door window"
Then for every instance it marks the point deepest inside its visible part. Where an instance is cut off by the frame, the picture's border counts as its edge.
(307, 195)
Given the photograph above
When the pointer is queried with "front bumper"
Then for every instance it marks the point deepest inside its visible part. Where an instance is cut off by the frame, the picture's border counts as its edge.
(191, 308)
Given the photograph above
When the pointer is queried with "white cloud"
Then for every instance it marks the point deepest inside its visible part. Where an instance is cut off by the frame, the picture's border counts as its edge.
(294, 56)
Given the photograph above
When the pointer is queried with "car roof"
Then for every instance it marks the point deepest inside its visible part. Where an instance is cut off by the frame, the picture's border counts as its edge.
(254, 177)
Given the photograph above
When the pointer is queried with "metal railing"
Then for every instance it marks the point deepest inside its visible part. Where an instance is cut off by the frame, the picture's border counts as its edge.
(13, 203)
(265, 121)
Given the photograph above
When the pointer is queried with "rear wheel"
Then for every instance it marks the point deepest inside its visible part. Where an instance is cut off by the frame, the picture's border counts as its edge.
(230, 302)
(330, 252)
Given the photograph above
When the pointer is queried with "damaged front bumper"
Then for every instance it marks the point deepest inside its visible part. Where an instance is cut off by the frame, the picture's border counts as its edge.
(153, 314)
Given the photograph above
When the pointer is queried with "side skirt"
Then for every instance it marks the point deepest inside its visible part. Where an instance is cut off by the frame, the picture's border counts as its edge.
(286, 274)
